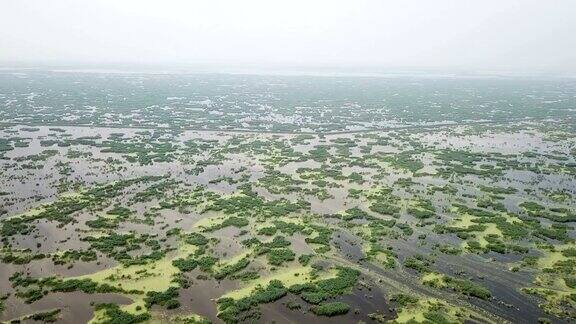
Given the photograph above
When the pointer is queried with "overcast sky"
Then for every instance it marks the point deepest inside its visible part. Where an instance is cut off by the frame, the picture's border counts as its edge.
(476, 34)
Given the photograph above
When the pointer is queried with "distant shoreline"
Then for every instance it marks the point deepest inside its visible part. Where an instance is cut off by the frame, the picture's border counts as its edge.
(271, 132)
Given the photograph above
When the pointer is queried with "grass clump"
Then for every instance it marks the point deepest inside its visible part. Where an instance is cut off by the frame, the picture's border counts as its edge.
(166, 298)
(231, 309)
(114, 315)
(319, 291)
(331, 309)
(232, 268)
(279, 256)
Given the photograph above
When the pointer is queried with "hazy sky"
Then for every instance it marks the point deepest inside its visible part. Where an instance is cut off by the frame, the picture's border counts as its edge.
(482, 34)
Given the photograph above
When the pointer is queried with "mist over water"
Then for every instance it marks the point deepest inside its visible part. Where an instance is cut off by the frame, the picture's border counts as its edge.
(522, 37)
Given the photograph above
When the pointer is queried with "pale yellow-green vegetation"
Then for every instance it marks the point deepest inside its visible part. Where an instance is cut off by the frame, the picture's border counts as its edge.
(137, 307)
(466, 220)
(431, 310)
(273, 158)
(559, 196)
(189, 319)
(362, 231)
(434, 279)
(378, 256)
(209, 221)
(556, 295)
(320, 249)
(297, 219)
(151, 277)
(30, 212)
(230, 261)
(96, 233)
(289, 277)
(384, 258)
(154, 276)
(462, 286)
(550, 283)
(72, 194)
(553, 255)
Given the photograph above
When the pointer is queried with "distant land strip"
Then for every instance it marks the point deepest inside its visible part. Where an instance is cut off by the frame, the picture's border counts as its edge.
(337, 132)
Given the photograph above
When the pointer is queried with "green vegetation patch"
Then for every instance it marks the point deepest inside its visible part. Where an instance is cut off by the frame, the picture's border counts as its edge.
(331, 309)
